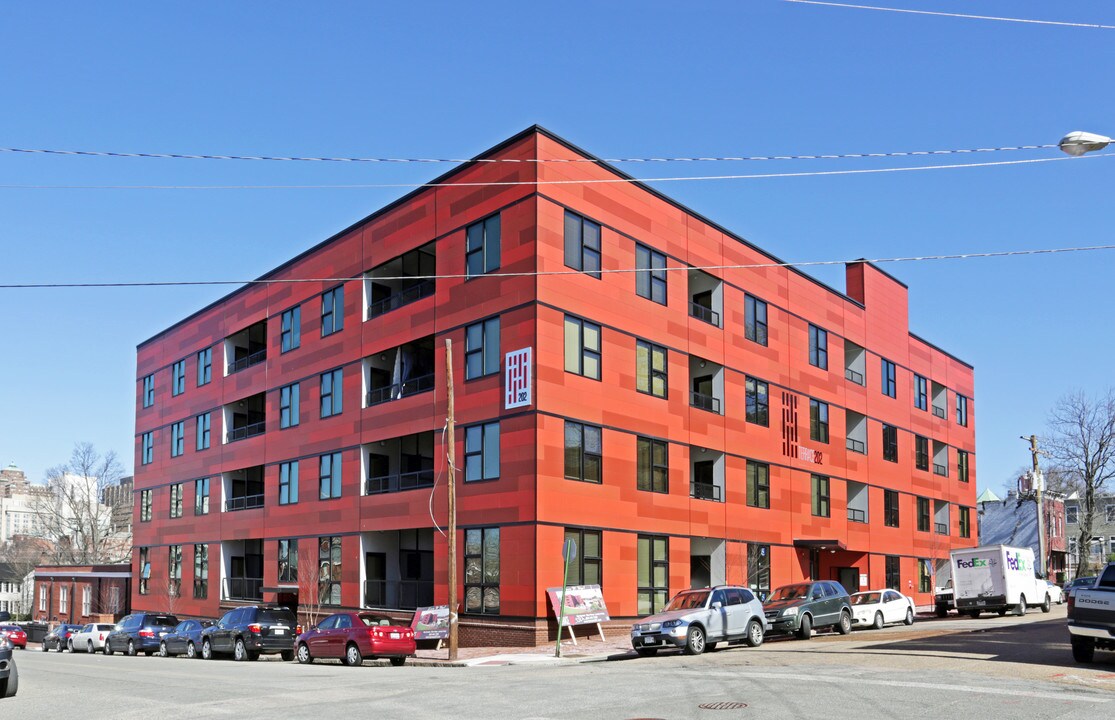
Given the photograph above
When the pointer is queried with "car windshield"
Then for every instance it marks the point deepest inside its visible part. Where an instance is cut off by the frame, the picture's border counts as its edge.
(688, 600)
(1083, 581)
(865, 598)
(790, 592)
(370, 620)
(276, 617)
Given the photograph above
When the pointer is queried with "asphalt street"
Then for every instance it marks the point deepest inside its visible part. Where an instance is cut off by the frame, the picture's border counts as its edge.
(991, 668)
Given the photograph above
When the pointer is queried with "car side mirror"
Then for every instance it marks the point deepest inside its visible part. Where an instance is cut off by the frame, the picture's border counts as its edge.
(717, 605)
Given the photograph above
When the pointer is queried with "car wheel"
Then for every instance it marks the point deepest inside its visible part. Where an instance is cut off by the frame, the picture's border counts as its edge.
(107, 649)
(942, 612)
(695, 641)
(45, 648)
(1002, 612)
(70, 645)
(754, 637)
(287, 655)
(1021, 604)
(240, 650)
(303, 654)
(206, 650)
(646, 652)
(398, 661)
(845, 626)
(1047, 605)
(878, 624)
(353, 656)
(131, 647)
(1083, 649)
(191, 651)
(909, 616)
(162, 650)
(974, 614)
(89, 647)
(805, 628)
(10, 684)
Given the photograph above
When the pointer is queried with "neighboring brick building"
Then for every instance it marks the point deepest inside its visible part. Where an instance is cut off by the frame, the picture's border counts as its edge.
(1101, 549)
(686, 426)
(1014, 522)
(81, 593)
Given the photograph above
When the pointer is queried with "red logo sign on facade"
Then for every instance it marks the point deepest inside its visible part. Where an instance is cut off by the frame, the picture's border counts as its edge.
(517, 378)
(809, 455)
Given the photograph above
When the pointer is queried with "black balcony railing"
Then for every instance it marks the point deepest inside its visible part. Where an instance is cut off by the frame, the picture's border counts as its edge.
(856, 377)
(705, 314)
(387, 393)
(414, 293)
(857, 446)
(939, 412)
(244, 502)
(704, 402)
(397, 483)
(246, 362)
(942, 528)
(398, 594)
(243, 588)
(246, 431)
(856, 515)
(940, 469)
(704, 491)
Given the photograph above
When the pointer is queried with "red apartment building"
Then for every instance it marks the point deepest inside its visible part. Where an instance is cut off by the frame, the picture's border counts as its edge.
(691, 422)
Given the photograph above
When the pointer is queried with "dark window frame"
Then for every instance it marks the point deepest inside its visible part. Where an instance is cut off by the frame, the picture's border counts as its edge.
(177, 492)
(287, 560)
(201, 572)
(483, 240)
(893, 571)
(481, 352)
(579, 451)
(474, 454)
(329, 556)
(756, 401)
(201, 496)
(288, 483)
(758, 485)
(921, 453)
(331, 398)
(961, 410)
(650, 275)
(178, 378)
(656, 595)
(889, 376)
(963, 467)
(821, 495)
(204, 366)
(147, 448)
(330, 467)
(921, 392)
(178, 438)
(202, 426)
(290, 329)
(755, 326)
(290, 405)
(818, 421)
(818, 347)
(148, 390)
(333, 310)
(579, 252)
(576, 569)
(585, 354)
(892, 514)
(890, 443)
(145, 503)
(965, 522)
(652, 475)
(925, 523)
(649, 382)
(478, 578)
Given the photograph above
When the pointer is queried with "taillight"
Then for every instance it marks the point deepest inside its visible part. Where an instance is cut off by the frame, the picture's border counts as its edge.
(102, 636)
(255, 628)
(146, 633)
(1071, 603)
(297, 629)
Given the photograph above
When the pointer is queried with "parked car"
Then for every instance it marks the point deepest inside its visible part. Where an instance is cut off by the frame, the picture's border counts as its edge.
(1091, 617)
(249, 631)
(802, 607)
(696, 620)
(9, 677)
(185, 639)
(139, 633)
(1056, 594)
(1072, 587)
(353, 637)
(90, 638)
(875, 608)
(59, 638)
(14, 635)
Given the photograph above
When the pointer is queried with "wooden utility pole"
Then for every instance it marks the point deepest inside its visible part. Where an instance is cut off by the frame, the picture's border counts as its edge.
(452, 440)
(1038, 483)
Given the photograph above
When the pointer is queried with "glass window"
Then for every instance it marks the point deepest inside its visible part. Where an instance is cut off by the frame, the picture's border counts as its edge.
(204, 366)
(482, 452)
(755, 320)
(329, 570)
(201, 496)
(174, 571)
(758, 569)
(329, 479)
(758, 401)
(176, 500)
(925, 577)
(177, 438)
(148, 390)
(333, 310)
(148, 452)
(890, 508)
(818, 421)
(586, 568)
(965, 523)
(653, 573)
(144, 570)
(921, 452)
(921, 393)
(289, 404)
(1072, 514)
(820, 496)
(288, 483)
(582, 244)
(653, 465)
(482, 348)
(202, 422)
(962, 466)
(961, 410)
(288, 561)
(582, 347)
(331, 386)
(890, 443)
(178, 378)
(894, 572)
(482, 246)
(650, 281)
(290, 335)
(818, 347)
(650, 368)
(201, 571)
(482, 571)
(923, 514)
(888, 376)
(583, 452)
(145, 505)
(758, 484)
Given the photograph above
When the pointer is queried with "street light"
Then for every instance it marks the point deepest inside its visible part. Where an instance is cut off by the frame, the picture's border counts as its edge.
(1078, 142)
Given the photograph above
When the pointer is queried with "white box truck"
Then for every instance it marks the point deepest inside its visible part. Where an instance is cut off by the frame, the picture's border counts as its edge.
(996, 578)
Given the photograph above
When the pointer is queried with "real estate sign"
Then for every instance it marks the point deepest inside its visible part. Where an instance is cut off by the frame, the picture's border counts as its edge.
(431, 623)
(584, 604)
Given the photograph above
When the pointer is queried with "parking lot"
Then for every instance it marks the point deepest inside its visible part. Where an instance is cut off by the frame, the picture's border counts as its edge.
(996, 667)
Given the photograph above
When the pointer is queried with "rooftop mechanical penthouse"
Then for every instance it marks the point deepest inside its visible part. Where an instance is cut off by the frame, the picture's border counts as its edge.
(685, 426)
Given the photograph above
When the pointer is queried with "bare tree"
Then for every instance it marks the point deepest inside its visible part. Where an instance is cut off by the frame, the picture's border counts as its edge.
(309, 592)
(1081, 445)
(73, 515)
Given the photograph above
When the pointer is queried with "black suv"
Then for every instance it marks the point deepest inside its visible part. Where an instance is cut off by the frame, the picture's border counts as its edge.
(800, 607)
(249, 631)
(139, 633)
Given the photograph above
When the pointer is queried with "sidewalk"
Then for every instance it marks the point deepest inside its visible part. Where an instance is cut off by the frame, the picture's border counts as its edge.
(583, 651)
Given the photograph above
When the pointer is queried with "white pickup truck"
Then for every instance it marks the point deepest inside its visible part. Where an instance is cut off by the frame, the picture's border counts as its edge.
(1092, 617)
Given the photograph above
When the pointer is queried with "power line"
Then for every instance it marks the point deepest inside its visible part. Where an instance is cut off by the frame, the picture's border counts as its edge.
(537, 183)
(954, 15)
(388, 160)
(540, 273)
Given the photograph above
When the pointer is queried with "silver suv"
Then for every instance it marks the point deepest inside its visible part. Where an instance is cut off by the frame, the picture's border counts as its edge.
(696, 620)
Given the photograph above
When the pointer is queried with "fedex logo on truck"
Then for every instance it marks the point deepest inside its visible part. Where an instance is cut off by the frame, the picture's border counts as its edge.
(1015, 561)
(973, 563)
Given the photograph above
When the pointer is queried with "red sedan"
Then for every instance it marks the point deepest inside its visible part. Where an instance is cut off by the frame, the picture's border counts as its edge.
(355, 636)
(15, 635)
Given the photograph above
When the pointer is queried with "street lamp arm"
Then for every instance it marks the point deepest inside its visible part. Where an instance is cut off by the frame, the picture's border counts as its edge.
(1078, 142)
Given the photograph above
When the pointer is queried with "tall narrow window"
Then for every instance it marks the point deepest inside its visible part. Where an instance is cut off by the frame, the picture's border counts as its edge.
(482, 452)
(333, 310)
(145, 505)
(925, 577)
(894, 572)
(921, 393)
(288, 561)
(289, 405)
(818, 347)
(821, 506)
(288, 483)
(482, 246)
(888, 376)
(652, 465)
(331, 385)
(177, 438)
(961, 410)
(482, 348)
(148, 445)
(203, 422)
(585, 569)
(290, 336)
(329, 570)
(755, 320)
(650, 369)
(176, 500)
(890, 508)
(890, 443)
(758, 569)
(583, 452)
(178, 377)
(174, 571)
(201, 496)
(650, 280)
(144, 570)
(582, 347)
(965, 523)
(758, 401)
(962, 465)
(818, 421)
(329, 479)
(482, 571)
(921, 452)
(923, 514)
(758, 484)
(653, 573)
(582, 244)
(148, 391)
(204, 366)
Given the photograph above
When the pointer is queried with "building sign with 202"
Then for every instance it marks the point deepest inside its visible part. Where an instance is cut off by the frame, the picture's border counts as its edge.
(584, 604)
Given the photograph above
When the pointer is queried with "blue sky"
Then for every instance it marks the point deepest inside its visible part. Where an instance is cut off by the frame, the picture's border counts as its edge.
(760, 77)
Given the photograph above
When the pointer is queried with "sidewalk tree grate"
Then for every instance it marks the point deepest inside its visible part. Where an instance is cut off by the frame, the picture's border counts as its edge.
(723, 706)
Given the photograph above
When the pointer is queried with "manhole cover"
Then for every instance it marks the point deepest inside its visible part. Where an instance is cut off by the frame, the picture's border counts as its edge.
(723, 706)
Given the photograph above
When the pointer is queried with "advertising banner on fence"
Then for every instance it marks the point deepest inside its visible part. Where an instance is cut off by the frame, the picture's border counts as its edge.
(431, 623)
(584, 604)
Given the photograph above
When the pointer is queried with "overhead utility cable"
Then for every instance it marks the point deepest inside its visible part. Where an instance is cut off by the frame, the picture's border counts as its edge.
(1095, 26)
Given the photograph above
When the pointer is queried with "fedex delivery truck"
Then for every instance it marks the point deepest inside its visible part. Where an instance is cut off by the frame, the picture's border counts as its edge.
(996, 578)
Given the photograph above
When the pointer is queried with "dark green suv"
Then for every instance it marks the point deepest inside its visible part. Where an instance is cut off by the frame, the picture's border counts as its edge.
(801, 607)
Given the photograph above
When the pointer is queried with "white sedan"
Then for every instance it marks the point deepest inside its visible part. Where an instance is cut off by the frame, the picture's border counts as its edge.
(1056, 594)
(875, 608)
(90, 638)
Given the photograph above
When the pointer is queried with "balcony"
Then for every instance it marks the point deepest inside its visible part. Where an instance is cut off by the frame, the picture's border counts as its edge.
(398, 391)
(855, 363)
(854, 376)
(400, 281)
(244, 502)
(398, 594)
(704, 313)
(399, 372)
(243, 588)
(399, 464)
(243, 489)
(941, 528)
(706, 474)
(246, 431)
(246, 362)
(398, 483)
(414, 293)
(857, 501)
(246, 348)
(939, 412)
(705, 402)
(704, 491)
(857, 446)
(940, 470)
(705, 297)
(855, 515)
